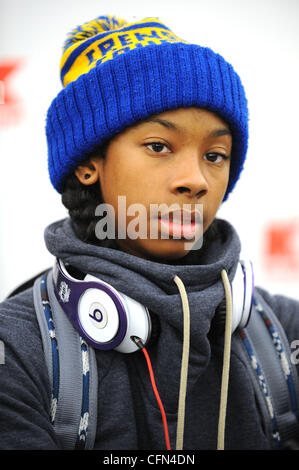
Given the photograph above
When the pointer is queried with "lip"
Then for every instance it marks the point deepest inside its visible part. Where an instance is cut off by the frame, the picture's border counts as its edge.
(180, 224)
(180, 216)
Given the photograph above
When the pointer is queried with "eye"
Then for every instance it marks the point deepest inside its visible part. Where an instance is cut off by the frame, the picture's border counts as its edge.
(214, 157)
(157, 147)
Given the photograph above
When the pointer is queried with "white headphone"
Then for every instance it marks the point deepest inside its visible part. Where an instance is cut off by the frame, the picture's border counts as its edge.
(242, 294)
(107, 318)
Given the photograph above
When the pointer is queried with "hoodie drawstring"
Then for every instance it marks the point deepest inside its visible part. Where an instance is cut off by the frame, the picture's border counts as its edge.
(185, 362)
(226, 360)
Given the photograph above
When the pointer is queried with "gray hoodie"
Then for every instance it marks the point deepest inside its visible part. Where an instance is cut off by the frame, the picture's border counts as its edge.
(128, 415)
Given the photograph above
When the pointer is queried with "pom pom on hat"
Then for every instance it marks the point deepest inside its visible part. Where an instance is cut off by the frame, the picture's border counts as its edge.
(91, 28)
(116, 73)
(106, 37)
(96, 49)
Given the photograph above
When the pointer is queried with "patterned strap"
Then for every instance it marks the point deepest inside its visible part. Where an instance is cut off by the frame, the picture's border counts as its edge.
(72, 371)
(269, 354)
(83, 427)
(54, 347)
(264, 388)
(281, 353)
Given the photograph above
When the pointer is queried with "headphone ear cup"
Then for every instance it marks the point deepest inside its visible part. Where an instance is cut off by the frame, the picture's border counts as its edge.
(249, 291)
(98, 315)
(138, 324)
(242, 297)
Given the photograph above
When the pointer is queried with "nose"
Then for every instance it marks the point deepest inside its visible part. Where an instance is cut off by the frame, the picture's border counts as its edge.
(189, 178)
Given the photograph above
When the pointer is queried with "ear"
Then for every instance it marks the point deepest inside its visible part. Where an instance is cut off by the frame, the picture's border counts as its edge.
(88, 172)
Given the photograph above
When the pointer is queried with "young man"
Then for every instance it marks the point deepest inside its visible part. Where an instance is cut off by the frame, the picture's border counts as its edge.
(144, 119)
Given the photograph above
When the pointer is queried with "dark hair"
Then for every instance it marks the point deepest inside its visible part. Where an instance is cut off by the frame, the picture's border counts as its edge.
(81, 201)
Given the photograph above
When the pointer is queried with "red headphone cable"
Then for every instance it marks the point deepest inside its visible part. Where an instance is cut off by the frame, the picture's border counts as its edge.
(141, 346)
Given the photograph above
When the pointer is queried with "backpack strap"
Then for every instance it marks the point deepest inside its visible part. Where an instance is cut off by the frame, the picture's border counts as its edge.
(274, 376)
(72, 371)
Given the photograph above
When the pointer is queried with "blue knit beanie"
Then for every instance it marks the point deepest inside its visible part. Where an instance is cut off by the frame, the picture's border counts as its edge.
(115, 74)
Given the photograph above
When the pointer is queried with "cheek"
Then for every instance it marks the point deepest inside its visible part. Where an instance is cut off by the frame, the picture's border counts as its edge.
(218, 188)
(122, 177)
(223, 187)
(112, 178)
(220, 183)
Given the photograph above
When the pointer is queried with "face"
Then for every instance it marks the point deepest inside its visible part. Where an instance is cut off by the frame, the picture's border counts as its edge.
(178, 158)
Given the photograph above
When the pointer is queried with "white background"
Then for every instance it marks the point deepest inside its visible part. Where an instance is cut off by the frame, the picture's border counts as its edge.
(259, 37)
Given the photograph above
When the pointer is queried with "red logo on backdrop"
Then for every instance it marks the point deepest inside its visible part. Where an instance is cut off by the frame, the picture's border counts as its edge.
(10, 103)
(281, 248)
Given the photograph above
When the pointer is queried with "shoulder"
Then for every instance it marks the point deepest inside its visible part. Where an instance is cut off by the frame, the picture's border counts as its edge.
(20, 332)
(24, 382)
(19, 306)
(286, 310)
(17, 314)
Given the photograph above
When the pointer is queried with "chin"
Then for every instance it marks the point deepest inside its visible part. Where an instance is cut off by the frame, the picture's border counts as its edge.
(158, 250)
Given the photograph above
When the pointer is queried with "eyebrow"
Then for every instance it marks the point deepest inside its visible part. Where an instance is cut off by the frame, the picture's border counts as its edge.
(175, 127)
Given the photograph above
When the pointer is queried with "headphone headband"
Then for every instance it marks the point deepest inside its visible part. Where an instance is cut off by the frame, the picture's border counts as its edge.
(107, 319)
